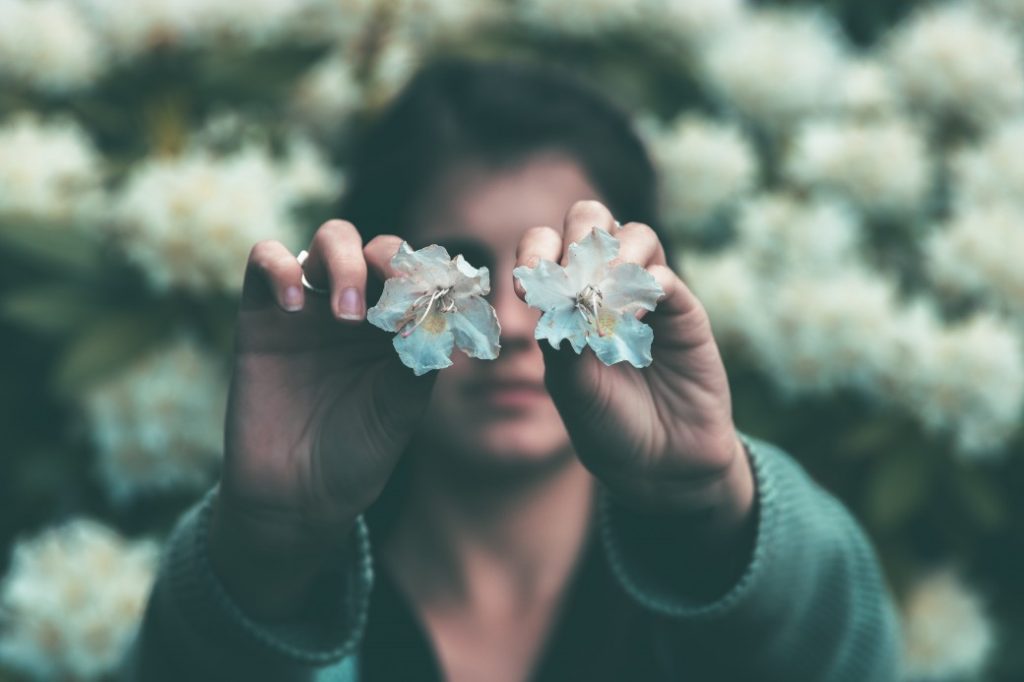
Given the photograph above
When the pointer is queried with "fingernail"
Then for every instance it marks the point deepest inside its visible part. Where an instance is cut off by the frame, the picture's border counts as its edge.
(292, 299)
(350, 307)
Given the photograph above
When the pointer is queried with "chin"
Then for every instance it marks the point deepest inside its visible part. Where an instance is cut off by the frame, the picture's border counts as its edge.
(488, 440)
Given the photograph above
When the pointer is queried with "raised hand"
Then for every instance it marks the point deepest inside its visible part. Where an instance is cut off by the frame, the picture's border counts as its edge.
(661, 438)
(320, 410)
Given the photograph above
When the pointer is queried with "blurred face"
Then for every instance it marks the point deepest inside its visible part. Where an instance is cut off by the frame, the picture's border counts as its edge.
(497, 414)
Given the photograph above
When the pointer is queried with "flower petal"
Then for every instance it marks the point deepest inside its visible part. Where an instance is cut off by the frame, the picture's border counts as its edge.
(629, 287)
(395, 302)
(561, 324)
(428, 347)
(547, 286)
(431, 264)
(588, 259)
(470, 281)
(476, 329)
(623, 338)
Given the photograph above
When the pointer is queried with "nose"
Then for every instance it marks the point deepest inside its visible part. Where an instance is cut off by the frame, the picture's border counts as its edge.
(517, 319)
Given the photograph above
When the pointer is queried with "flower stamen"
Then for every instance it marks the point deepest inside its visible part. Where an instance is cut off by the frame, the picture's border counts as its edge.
(588, 303)
(445, 304)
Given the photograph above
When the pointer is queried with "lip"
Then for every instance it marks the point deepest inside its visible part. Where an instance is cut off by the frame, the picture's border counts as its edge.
(509, 394)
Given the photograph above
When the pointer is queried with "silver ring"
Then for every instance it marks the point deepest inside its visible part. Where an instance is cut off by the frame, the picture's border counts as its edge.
(303, 255)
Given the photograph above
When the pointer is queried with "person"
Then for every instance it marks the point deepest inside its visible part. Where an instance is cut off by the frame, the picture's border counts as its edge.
(541, 516)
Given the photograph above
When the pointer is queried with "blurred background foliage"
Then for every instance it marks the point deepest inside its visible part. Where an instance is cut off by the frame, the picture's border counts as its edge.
(843, 179)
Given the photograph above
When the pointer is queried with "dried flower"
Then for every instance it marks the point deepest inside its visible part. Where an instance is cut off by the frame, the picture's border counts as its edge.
(436, 302)
(590, 302)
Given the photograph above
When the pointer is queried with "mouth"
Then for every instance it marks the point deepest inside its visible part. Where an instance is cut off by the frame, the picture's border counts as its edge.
(508, 393)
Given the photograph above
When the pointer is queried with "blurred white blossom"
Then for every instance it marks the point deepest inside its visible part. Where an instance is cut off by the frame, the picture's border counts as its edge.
(194, 23)
(329, 93)
(580, 17)
(777, 66)
(306, 174)
(425, 20)
(947, 632)
(949, 60)
(978, 254)
(881, 166)
(828, 333)
(158, 424)
(968, 382)
(48, 45)
(780, 235)
(48, 170)
(992, 171)
(704, 166)
(730, 291)
(72, 601)
(694, 21)
(190, 221)
(866, 90)
(1004, 9)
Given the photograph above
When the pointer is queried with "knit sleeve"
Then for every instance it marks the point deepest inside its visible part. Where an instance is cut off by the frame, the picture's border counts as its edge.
(810, 603)
(193, 630)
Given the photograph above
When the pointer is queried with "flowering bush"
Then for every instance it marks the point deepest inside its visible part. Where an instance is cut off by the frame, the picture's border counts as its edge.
(846, 191)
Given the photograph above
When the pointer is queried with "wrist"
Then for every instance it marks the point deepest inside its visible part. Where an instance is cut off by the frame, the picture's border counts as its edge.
(718, 503)
(269, 568)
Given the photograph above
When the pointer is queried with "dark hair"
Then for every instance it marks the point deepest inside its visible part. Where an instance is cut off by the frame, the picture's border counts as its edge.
(497, 112)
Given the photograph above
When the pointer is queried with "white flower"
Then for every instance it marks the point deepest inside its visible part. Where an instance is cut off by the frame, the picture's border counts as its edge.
(306, 174)
(777, 66)
(992, 171)
(48, 171)
(823, 333)
(189, 222)
(434, 303)
(329, 93)
(72, 600)
(948, 60)
(780, 235)
(694, 21)
(947, 634)
(590, 302)
(866, 90)
(730, 290)
(580, 17)
(880, 166)
(968, 381)
(158, 424)
(48, 45)
(1005, 9)
(195, 23)
(978, 253)
(705, 167)
(427, 20)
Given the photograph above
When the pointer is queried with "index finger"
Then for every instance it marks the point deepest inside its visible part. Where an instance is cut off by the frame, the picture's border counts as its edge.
(581, 218)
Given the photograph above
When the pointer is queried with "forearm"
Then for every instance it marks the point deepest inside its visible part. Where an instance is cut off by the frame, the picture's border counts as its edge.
(194, 629)
(271, 570)
(809, 603)
(702, 537)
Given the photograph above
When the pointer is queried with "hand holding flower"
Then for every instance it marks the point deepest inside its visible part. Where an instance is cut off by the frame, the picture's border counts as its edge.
(660, 438)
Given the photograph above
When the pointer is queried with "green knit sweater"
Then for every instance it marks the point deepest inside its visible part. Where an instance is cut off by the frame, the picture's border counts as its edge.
(811, 603)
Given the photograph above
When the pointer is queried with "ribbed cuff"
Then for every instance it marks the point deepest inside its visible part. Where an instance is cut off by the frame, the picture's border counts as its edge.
(670, 599)
(205, 605)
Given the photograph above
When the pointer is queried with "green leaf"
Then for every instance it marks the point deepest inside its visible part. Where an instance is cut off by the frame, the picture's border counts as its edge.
(897, 488)
(106, 345)
(50, 309)
(63, 247)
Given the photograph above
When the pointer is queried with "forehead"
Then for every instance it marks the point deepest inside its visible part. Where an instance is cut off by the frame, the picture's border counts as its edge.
(496, 205)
